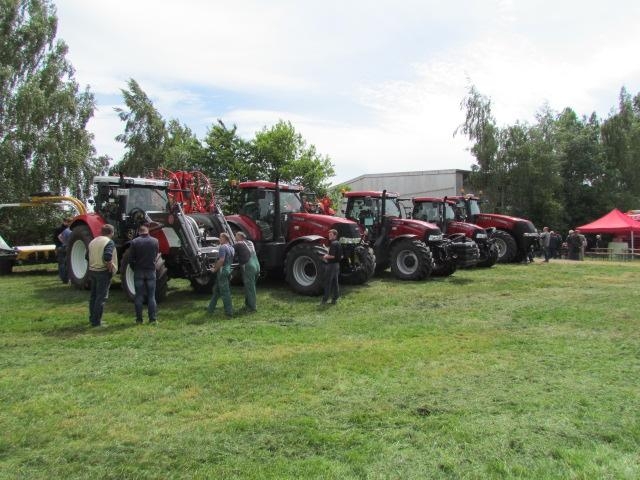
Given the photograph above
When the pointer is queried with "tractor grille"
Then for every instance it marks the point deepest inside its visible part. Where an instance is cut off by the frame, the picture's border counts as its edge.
(347, 230)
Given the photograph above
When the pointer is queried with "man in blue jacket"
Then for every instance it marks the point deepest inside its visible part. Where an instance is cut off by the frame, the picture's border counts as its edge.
(142, 259)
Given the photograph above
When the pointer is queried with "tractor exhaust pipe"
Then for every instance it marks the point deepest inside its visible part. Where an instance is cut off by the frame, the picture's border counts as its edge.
(277, 230)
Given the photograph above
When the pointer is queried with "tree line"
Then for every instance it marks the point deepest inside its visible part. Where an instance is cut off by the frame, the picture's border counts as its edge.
(560, 171)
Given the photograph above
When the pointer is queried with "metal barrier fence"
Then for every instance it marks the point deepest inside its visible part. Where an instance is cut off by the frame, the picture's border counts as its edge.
(613, 254)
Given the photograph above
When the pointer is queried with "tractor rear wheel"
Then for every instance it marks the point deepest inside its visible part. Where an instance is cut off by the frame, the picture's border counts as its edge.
(77, 263)
(128, 283)
(303, 268)
(359, 269)
(507, 246)
(6, 265)
(411, 260)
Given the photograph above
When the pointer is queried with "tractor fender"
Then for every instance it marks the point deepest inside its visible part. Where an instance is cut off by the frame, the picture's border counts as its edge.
(410, 236)
(306, 239)
(92, 220)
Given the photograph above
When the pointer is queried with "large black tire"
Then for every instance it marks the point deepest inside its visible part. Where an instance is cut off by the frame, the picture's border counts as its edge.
(445, 263)
(507, 246)
(204, 283)
(360, 269)
(411, 260)
(77, 264)
(488, 255)
(303, 268)
(127, 280)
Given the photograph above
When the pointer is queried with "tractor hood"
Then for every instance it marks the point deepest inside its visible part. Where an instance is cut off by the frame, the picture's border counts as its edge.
(416, 227)
(470, 230)
(505, 222)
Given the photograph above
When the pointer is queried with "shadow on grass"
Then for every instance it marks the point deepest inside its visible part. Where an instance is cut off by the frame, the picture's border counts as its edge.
(71, 331)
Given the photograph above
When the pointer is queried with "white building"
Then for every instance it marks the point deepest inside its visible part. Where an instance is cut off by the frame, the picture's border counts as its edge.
(431, 183)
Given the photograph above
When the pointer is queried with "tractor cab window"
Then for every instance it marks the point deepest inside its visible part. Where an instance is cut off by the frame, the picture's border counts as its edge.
(391, 207)
(147, 199)
(259, 204)
(427, 211)
(290, 202)
(474, 207)
(449, 212)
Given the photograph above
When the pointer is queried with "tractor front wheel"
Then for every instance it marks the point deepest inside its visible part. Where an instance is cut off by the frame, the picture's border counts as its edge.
(488, 255)
(77, 263)
(411, 260)
(358, 269)
(303, 268)
(128, 282)
(507, 246)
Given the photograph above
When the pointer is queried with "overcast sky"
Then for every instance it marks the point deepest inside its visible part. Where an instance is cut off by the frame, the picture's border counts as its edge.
(375, 85)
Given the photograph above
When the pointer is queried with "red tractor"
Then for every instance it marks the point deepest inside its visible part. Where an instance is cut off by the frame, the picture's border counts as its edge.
(188, 242)
(441, 212)
(291, 241)
(414, 249)
(514, 236)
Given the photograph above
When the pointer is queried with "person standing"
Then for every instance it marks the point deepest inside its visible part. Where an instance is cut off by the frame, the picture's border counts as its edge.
(574, 245)
(545, 243)
(599, 243)
(103, 263)
(223, 268)
(332, 269)
(583, 243)
(250, 267)
(61, 248)
(142, 259)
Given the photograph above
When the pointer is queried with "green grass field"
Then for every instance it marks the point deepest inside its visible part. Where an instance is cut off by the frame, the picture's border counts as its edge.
(519, 371)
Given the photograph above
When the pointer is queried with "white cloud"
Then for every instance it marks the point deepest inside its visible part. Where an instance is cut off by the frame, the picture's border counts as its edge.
(376, 86)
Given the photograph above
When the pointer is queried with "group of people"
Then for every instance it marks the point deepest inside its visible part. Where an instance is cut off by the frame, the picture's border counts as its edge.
(576, 244)
(102, 256)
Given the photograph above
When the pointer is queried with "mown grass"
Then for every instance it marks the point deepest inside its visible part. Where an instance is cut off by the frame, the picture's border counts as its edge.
(520, 371)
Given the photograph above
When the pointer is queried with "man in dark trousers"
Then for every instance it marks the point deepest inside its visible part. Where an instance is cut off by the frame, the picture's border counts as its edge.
(142, 259)
(103, 263)
(332, 269)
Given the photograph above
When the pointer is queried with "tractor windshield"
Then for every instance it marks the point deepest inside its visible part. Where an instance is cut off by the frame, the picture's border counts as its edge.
(259, 203)
(449, 212)
(474, 207)
(147, 199)
(427, 211)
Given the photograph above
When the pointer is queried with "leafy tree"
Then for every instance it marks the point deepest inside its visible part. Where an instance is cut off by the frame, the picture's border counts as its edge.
(283, 154)
(621, 142)
(44, 144)
(144, 135)
(182, 150)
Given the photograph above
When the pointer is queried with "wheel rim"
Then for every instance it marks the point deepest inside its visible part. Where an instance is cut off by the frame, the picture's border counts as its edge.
(502, 247)
(79, 264)
(407, 262)
(304, 271)
(128, 277)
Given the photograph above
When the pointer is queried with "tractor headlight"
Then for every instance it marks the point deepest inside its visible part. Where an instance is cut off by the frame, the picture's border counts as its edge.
(481, 236)
(350, 241)
(435, 238)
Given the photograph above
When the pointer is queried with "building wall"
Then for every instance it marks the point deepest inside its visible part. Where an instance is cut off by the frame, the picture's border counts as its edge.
(434, 183)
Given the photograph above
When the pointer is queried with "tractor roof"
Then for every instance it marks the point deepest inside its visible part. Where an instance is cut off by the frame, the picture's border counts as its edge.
(369, 193)
(130, 181)
(270, 186)
(433, 199)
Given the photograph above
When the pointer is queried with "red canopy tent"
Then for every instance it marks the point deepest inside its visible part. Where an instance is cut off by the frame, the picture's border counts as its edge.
(614, 222)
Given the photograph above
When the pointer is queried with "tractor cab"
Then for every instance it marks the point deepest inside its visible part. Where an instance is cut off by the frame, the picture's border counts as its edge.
(127, 203)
